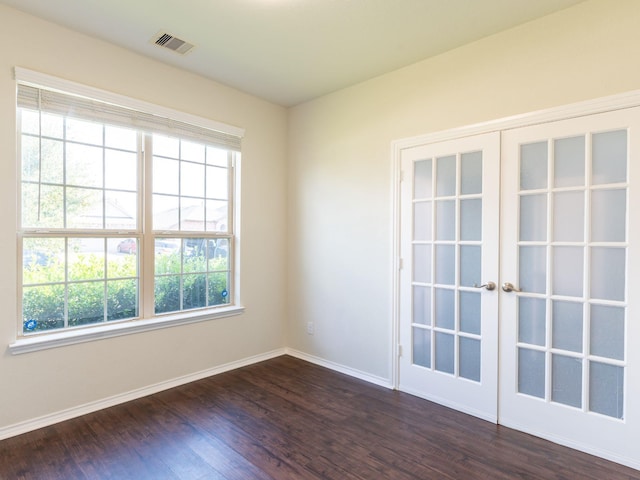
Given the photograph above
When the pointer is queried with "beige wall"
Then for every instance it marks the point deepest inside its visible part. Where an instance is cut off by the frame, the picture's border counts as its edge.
(37, 384)
(340, 162)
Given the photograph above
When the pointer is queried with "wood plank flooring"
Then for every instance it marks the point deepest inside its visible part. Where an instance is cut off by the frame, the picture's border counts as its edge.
(288, 419)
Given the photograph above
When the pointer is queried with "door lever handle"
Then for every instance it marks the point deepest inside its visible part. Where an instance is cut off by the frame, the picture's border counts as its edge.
(508, 287)
(489, 286)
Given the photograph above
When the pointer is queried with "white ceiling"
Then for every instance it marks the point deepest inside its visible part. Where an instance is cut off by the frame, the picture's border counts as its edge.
(291, 51)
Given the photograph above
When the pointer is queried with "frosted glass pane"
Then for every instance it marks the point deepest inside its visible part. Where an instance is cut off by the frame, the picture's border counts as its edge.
(470, 265)
(445, 264)
(531, 372)
(532, 321)
(568, 168)
(533, 166)
(446, 220)
(421, 347)
(446, 176)
(422, 221)
(470, 358)
(533, 269)
(609, 157)
(445, 308)
(607, 331)
(471, 219)
(568, 266)
(608, 215)
(470, 312)
(608, 273)
(566, 378)
(471, 166)
(422, 263)
(445, 350)
(422, 305)
(533, 218)
(422, 179)
(568, 217)
(567, 326)
(606, 389)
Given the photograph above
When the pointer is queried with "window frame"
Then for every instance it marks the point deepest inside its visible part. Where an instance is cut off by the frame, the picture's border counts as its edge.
(147, 319)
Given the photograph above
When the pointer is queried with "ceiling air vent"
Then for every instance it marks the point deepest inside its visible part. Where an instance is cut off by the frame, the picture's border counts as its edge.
(175, 44)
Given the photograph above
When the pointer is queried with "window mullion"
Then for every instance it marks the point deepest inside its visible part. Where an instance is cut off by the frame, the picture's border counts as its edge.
(146, 257)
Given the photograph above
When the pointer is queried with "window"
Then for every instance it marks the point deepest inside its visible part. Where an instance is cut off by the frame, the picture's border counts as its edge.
(125, 215)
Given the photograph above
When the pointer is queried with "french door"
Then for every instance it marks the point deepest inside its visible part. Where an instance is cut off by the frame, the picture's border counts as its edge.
(554, 347)
(450, 251)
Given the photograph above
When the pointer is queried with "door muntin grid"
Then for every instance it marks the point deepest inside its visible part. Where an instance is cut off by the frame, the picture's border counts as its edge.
(446, 243)
(572, 252)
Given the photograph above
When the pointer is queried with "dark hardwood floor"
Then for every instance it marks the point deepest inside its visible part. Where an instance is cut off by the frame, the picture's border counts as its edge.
(289, 419)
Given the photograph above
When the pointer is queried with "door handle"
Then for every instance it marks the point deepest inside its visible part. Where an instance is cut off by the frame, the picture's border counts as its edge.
(489, 286)
(508, 287)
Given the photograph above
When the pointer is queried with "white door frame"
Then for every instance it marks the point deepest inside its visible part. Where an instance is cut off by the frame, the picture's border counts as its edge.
(590, 107)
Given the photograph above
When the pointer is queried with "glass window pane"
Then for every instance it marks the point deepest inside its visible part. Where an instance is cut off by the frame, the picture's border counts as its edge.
(445, 352)
(607, 331)
(121, 210)
(121, 138)
(445, 264)
(566, 376)
(422, 179)
(606, 389)
(422, 263)
(609, 157)
(84, 208)
(532, 321)
(217, 183)
(166, 146)
(86, 303)
(567, 326)
(192, 214)
(445, 308)
(446, 176)
(470, 310)
(86, 259)
(167, 293)
(533, 166)
(192, 179)
(470, 358)
(568, 268)
(166, 212)
(445, 220)
(219, 288)
(531, 367)
(217, 216)
(608, 273)
(568, 217)
(167, 256)
(471, 219)
(608, 215)
(217, 156)
(122, 299)
(43, 308)
(533, 269)
(121, 170)
(42, 207)
(84, 131)
(533, 218)
(84, 165)
(43, 260)
(470, 265)
(421, 305)
(471, 173)
(191, 151)
(218, 254)
(421, 351)
(422, 221)
(166, 176)
(569, 156)
(194, 291)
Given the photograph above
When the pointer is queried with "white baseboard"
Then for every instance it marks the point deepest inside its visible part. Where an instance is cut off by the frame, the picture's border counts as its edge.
(367, 377)
(50, 419)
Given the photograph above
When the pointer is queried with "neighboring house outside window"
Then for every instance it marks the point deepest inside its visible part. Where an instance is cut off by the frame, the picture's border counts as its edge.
(124, 215)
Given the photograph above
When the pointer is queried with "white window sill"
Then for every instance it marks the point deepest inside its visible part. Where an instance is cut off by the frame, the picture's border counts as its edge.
(71, 337)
